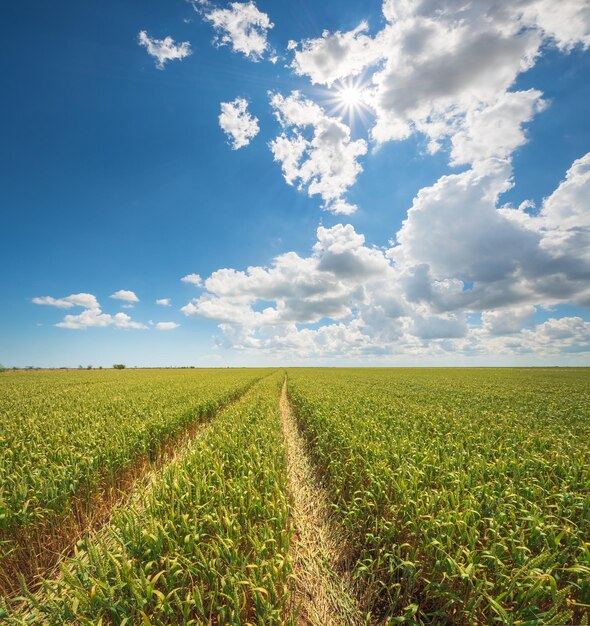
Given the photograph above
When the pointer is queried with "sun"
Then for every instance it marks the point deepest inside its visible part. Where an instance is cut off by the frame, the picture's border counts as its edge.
(350, 96)
(350, 100)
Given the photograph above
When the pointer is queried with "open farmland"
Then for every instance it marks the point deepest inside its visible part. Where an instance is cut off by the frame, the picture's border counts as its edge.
(465, 494)
(364, 496)
(64, 436)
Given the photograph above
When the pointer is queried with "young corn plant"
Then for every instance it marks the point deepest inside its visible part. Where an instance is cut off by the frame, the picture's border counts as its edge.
(64, 436)
(465, 493)
(206, 543)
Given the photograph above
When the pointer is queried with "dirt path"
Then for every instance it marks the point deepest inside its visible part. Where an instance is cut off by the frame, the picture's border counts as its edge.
(323, 590)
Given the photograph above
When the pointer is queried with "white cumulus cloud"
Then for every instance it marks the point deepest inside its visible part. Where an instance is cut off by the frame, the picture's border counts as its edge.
(166, 325)
(237, 123)
(446, 68)
(192, 279)
(333, 57)
(507, 321)
(163, 50)
(85, 300)
(164, 302)
(496, 130)
(126, 296)
(455, 229)
(459, 254)
(241, 26)
(326, 164)
(95, 318)
(568, 207)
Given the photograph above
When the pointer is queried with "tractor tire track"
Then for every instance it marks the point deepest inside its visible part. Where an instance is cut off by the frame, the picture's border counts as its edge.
(323, 594)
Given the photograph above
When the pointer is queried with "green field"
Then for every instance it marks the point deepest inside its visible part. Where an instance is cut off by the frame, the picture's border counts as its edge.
(458, 496)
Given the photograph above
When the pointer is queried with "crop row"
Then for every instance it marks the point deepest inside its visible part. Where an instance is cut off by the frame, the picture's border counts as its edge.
(206, 542)
(62, 433)
(464, 494)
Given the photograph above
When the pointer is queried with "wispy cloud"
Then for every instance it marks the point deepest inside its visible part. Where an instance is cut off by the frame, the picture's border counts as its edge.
(163, 50)
(86, 300)
(166, 325)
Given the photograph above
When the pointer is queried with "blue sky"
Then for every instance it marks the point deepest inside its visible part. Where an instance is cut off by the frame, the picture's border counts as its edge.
(116, 175)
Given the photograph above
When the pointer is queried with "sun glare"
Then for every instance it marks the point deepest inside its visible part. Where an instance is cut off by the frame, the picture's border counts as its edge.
(350, 96)
(349, 100)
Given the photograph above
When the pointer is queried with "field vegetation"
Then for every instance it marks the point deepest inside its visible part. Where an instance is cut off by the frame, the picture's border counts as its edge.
(206, 541)
(363, 496)
(465, 494)
(66, 435)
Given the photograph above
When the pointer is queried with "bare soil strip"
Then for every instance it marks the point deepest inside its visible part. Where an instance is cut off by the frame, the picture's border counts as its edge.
(324, 591)
(39, 551)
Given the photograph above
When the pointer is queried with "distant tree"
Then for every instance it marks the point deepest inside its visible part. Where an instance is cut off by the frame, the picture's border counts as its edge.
(119, 366)
(2, 368)
(89, 367)
(100, 367)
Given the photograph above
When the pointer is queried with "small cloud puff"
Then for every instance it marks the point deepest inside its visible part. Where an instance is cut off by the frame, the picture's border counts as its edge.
(242, 26)
(125, 295)
(237, 123)
(163, 50)
(166, 325)
(193, 279)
